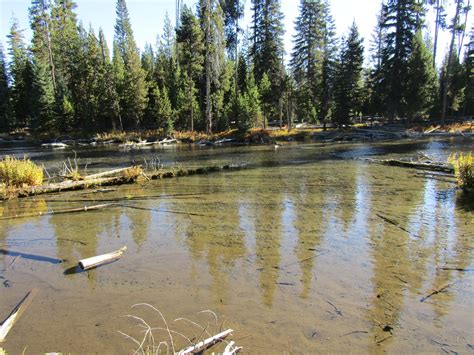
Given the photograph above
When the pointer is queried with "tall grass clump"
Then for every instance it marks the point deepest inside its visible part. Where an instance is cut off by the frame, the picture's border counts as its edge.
(463, 170)
(19, 172)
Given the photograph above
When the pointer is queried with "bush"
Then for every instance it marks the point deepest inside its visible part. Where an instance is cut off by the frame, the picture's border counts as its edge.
(463, 170)
(19, 172)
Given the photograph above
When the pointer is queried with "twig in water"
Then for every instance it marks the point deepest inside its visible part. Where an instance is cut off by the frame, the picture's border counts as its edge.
(338, 311)
(355, 332)
(382, 340)
(162, 211)
(455, 269)
(435, 292)
(13, 261)
(296, 262)
(393, 223)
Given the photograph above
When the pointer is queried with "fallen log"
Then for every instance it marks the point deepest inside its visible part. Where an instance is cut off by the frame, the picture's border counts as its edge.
(8, 323)
(416, 165)
(95, 261)
(48, 213)
(107, 173)
(111, 181)
(203, 345)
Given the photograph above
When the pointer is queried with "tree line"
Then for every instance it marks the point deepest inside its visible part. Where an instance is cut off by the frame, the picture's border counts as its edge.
(207, 73)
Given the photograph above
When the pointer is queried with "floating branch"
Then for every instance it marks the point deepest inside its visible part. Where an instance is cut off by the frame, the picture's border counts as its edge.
(435, 292)
(203, 345)
(8, 323)
(95, 261)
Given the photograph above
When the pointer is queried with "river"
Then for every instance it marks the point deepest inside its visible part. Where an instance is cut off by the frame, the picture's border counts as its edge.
(309, 249)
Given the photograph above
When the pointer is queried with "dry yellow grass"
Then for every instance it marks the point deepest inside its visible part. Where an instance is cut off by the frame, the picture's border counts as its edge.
(20, 172)
(463, 169)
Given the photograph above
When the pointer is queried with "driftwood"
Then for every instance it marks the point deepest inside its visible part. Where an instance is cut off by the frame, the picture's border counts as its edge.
(113, 181)
(106, 173)
(95, 261)
(72, 210)
(8, 323)
(35, 257)
(416, 165)
(203, 345)
(435, 292)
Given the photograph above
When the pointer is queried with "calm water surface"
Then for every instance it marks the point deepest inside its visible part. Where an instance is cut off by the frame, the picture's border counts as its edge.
(310, 249)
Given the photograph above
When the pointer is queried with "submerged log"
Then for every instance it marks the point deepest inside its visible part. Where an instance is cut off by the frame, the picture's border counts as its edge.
(95, 261)
(8, 323)
(416, 165)
(72, 210)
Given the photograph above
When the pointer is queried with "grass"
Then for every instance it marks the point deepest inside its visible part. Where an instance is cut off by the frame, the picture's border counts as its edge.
(20, 172)
(164, 339)
(463, 170)
(132, 173)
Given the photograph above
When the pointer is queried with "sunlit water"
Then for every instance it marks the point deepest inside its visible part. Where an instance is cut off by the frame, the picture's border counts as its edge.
(295, 253)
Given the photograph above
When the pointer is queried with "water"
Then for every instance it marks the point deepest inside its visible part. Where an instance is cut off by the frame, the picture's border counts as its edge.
(310, 249)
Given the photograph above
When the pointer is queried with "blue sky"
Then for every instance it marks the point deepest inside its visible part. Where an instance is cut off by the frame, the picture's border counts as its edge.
(147, 17)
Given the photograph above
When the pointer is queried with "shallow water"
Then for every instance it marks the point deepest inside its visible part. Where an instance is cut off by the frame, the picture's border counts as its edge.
(310, 249)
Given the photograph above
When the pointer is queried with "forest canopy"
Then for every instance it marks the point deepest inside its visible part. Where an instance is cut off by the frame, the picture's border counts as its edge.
(207, 73)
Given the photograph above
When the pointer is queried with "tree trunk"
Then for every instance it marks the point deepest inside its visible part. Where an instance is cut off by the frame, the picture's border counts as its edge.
(450, 57)
(208, 69)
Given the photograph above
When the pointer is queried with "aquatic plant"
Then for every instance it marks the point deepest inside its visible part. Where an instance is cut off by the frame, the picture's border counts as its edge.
(463, 170)
(20, 172)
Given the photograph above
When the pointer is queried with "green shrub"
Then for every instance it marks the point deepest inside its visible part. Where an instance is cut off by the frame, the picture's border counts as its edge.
(463, 170)
(19, 172)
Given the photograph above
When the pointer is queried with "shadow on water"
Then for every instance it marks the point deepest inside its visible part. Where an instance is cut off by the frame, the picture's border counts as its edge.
(465, 201)
(34, 257)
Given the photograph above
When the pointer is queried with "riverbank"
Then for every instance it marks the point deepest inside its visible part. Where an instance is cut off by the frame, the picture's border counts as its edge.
(271, 135)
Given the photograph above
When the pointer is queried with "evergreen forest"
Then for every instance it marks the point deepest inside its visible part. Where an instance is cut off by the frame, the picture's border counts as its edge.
(208, 73)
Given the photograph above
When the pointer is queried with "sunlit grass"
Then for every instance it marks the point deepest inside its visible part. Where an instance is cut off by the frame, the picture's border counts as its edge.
(132, 173)
(20, 172)
(463, 169)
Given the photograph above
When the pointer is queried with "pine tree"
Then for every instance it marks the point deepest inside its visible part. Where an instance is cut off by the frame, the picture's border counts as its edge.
(421, 85)
(190, 39)
(68, 43)
(4, 93)
(108, 99)
(452, 65)
(306, 60)
(40, 23)
(267, 46)
(45, 117)
(348, 78)
(233, 11)
(22, 78)
(328, 66)
(212, 24)
(469, 78)
(374, 82)
(401, 20)
(133, 93)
